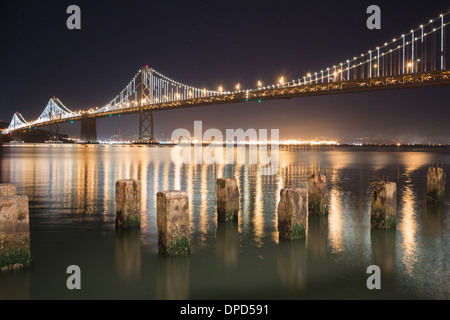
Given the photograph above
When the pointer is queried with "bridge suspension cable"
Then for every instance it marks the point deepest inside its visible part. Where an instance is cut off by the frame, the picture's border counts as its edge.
(422, 52)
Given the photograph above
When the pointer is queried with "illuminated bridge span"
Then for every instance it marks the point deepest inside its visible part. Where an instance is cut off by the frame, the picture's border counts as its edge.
(415, 59)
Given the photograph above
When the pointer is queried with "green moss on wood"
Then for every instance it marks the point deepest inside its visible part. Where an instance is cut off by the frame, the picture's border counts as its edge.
(12, 258)
(317, 206)
(435, 196)
(130, 222)
(180, 246)
(228, 215)
(298, 231)
(391, 222)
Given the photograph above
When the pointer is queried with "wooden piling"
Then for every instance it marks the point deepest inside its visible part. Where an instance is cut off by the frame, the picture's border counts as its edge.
(317, 194)
(293, 213)
(15, 250)
(173, 222)
(227, 199)
(383, 207)
(128, 204)
(435, 185)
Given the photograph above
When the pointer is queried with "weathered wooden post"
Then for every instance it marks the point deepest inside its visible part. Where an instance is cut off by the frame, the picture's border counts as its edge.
(227, 197)
(7, 189)
(383, 207)
(293, 213)
(15, 250)
(435, 184)
(317, 194)
(128, 204)
(173, 222)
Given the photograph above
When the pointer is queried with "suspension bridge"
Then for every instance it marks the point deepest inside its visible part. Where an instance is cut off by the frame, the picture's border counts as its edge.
(414, 59)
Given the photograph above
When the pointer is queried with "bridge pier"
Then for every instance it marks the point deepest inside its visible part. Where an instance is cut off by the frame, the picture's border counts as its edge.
(53, 132)
(88, 130)
(146, 133)
(17, 136)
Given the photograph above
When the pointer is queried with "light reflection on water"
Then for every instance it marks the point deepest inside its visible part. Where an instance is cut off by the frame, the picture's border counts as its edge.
(71, 190)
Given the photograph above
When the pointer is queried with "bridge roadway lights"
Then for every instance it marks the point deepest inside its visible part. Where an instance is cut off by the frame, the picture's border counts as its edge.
(144, 141)
(88, 130)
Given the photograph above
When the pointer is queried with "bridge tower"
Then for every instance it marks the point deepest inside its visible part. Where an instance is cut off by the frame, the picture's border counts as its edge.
(17, 122)
(146, 132)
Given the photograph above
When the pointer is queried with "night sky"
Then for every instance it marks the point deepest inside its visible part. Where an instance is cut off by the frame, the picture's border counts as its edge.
(212, 43)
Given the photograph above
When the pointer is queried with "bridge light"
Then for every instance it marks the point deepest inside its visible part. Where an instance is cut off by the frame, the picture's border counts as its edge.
(259, 84)
(375, 66)
(282, 80)
(220, 89)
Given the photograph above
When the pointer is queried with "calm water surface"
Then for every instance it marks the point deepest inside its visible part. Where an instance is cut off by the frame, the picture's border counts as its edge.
(71, 191)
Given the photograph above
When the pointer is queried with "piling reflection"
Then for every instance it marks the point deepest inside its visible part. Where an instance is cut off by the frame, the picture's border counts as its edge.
(15, 285)
(227, 243)
(434, 218)
(317, 237)
(127, 254)
(291, 264)
(383, 251)
(173, 278)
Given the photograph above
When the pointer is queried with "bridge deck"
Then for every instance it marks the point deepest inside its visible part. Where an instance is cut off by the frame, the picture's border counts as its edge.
(404, 81)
